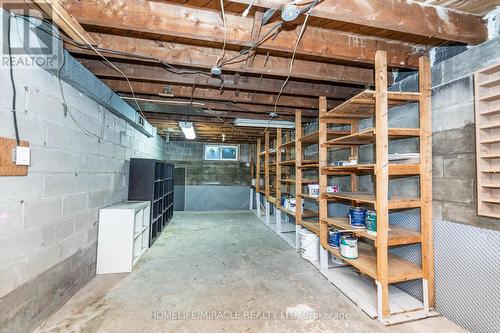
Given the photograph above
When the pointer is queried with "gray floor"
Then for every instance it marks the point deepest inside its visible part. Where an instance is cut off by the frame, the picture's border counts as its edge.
(227, 262)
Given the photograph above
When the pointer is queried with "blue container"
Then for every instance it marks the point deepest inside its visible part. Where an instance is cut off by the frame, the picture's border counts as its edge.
(357, 217)
(334, 238)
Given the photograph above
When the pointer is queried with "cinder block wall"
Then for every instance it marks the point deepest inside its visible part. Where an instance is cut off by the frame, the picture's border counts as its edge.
(48, 220)
(212, 185)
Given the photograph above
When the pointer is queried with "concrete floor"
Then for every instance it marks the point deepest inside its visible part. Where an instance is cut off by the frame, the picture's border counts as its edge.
(219, 261)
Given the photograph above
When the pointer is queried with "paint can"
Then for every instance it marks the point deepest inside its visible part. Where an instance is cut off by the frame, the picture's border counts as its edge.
(349, 246)
(334, 238)
(357, 217)
(292, 204)
(371, 222)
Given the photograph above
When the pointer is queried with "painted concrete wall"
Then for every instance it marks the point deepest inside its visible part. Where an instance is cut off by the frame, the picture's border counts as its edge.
(228, 181)
(48, 220)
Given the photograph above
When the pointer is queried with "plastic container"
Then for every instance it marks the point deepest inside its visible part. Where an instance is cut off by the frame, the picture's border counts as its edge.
(313, 190)
(371, 223)
(309, 245)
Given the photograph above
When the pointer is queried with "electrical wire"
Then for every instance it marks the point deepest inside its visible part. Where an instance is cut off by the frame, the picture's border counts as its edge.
(14, 91)
(223, 53)
(299, 38)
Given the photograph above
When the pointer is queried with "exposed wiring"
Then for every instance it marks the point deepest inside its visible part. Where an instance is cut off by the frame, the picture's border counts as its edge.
(247, 11)
(14, 91)
(223, 53)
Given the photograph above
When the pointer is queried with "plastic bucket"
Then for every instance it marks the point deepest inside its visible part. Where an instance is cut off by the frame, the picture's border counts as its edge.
(309, 245)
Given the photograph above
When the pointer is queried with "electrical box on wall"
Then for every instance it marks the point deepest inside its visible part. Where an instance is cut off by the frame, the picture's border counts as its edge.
(14, 159)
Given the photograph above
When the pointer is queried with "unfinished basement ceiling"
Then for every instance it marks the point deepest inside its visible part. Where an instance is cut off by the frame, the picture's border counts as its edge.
(167, 49)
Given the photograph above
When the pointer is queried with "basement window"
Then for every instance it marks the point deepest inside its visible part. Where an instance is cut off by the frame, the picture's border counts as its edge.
(221, 153)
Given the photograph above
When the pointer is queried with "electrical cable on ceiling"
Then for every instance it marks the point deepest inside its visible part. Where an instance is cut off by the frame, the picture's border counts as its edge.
(223, 53)
(14, 92)
(299, 38)
(247, 11)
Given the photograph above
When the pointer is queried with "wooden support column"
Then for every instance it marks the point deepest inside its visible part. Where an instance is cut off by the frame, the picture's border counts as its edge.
(426, 175)
(354, 154)
(298, 171)
(278, 167)
(382, 179)
(257, 169)
(266, 165)
(323, 178)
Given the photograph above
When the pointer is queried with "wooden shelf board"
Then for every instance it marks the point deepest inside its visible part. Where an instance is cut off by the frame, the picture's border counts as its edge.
(491, 185)
(309, 213)
(492, 201)
(368, 136)
(291, 181)
(363, 292)
(313, 137)
(287, 144)
(490, 156)
(394, 169)
(490, 98)
(290, 162)
(369, 198)
(399, 269)
(491, 126)
(490, 141)
(490, 112)
(309, 166)
(310, 197)
(363, 104)
(309, 181)
(490, 83)
(396, 235)
(313, 227)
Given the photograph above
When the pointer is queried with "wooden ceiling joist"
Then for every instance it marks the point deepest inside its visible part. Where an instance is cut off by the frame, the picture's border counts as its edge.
(411, 17)
(205, 58)
(156, 89)
(166, 21)
(239, 82)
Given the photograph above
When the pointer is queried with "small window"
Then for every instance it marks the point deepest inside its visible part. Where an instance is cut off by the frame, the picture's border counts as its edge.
(221, 153)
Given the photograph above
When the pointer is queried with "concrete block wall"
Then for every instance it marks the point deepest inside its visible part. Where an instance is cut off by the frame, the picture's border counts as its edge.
(228, 181)
(49, 219)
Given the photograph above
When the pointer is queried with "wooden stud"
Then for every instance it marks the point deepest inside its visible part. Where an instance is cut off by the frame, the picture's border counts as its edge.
(298, 171)
(7, 168)
(382, 177)
(266, 165)
(278, 167)
(257, 166)
(323, 178)
(426, 175)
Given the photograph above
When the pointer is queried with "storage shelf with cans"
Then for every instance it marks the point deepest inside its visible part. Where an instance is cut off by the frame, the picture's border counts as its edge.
(369, 246)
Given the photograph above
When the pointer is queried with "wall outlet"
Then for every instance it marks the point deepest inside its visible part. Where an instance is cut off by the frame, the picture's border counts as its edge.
(22, 156)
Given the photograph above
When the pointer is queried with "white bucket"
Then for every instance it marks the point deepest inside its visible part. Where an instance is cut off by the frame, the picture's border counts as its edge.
(313, 190)
(309, 245)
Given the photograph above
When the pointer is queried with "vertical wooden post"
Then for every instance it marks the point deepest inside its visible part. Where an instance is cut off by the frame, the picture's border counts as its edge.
(382, 178)
(298, 170)
(278, 167)
(257, 169)
(354, 154)
(323, 178)
(266, 165)
(425, 106)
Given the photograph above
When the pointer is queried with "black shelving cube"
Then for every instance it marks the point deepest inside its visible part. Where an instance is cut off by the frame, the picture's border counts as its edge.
(153, 180)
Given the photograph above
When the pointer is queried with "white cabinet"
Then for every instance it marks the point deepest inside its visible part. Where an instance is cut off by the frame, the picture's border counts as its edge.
(123, 236)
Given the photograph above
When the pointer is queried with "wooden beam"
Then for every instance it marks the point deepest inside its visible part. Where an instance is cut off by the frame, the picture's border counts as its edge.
(205, 57)
(382, 180)
(165, 20)
(152, 73)
(409, 17)
(64, 21)
(178, 91)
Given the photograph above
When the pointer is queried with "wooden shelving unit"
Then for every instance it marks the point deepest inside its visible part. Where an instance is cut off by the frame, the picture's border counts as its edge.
(374, 259)
(487, 95)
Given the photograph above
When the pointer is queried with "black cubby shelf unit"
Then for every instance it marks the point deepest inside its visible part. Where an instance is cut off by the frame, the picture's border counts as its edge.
(153, 180)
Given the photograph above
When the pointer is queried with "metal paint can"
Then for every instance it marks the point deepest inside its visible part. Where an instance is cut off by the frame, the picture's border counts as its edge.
(371, 222)
(349, 246)
(334, 238)
(357, 217)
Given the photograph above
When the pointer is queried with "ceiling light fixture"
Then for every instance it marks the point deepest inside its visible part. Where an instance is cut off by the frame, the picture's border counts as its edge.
(188, 130)
(263, 123)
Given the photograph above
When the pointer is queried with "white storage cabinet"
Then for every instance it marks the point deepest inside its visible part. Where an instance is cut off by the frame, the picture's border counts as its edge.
(123, 236)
